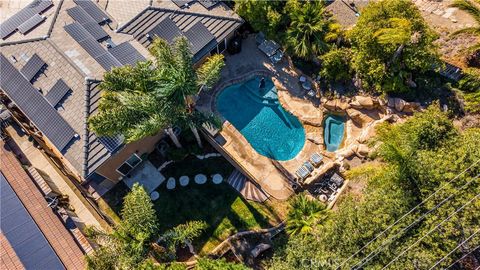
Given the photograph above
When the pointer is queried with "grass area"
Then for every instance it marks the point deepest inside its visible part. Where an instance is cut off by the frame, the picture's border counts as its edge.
(220, 206)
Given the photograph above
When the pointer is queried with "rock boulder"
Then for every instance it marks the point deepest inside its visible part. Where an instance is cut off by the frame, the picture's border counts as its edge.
(399, 104)
(362, 102)
(362, 150)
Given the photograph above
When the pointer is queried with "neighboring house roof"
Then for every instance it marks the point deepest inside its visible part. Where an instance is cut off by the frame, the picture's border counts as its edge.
(199, 28)
(36, 238)
(345, 11)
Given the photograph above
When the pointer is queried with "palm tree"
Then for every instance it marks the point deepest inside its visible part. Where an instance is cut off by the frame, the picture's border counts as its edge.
(472, 7)
(142, 100)
(305, 215)
(310, 30)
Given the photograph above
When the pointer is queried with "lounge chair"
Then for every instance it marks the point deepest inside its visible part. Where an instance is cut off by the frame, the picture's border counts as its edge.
(316, 159)
(302, 173)
(309, 166)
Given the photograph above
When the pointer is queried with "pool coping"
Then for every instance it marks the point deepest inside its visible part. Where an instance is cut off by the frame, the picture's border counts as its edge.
(213, 108)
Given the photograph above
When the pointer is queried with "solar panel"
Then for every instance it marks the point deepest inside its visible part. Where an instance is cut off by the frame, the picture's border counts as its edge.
(57, 92)
(81, 16)
(32, 67)
(77, 32)
(34, 105)
(126, 54)
(167, 30)
(93, 48)
(200, 39)
(93, 10)
(11, 24)
(111, 143)
(23, 234)
(107, 61)
(30, 23)
(208, 3)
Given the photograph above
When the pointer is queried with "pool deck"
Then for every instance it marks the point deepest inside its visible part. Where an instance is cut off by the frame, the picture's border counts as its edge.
(275, 177)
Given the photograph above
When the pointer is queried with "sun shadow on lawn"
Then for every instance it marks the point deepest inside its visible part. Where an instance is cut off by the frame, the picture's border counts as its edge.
(220, 206)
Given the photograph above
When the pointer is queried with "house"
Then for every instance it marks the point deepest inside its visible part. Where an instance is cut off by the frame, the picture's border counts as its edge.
(53, 57)
(32, 236)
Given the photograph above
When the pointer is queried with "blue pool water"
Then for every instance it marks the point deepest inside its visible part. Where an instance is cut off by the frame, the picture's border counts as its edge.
(334, 126)
(258, 115)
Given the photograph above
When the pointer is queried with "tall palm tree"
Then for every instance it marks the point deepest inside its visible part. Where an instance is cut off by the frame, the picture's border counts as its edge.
(472, 7)
(142, 100)
(304, 215)
(310, 30)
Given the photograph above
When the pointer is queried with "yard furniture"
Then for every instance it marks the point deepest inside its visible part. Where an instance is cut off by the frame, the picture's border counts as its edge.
(217, 178)
(337, 180)
(200, 179)
(171, 183)
(184, 180)
(309, 166)
(316, 159)
(269, 47)
(302, 173)
(277, 57)
(259, 38)
(307, 85)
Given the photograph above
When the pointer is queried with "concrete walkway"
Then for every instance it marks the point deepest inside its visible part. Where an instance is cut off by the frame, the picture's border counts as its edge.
(38, 160)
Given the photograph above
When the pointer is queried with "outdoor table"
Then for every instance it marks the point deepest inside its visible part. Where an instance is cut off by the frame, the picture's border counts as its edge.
(269, 47)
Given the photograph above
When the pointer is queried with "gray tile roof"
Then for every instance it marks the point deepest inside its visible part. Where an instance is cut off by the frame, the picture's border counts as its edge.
(96, 149)
(147, 21)
(11, 24)
(34, 105)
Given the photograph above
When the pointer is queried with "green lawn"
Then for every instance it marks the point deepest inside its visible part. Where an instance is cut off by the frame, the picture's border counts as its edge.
(220, 206)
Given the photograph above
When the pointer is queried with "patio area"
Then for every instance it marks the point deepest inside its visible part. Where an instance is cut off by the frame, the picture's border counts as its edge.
(269, 174)
(277, 177)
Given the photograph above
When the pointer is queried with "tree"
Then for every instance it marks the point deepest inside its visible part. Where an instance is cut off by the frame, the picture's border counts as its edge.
(311, 28)
(138, 215)
(336, 64)
(181, 235)
(127, 245)
(470, 90)
(472, 7)
(391, 42)
(304, 215)
(142, 100)
(360, 219)
(265, 16)
(220, 264)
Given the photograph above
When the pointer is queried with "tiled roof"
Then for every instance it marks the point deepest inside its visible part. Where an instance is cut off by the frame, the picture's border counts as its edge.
(96, 150)
(68, 61)
(218, 26)
(8, 257)
(344, 12)
(49, 224)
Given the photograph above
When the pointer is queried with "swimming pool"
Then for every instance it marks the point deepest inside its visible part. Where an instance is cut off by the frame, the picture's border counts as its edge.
(334, 126)
(259, 116)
